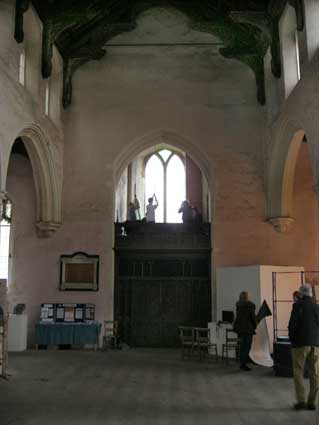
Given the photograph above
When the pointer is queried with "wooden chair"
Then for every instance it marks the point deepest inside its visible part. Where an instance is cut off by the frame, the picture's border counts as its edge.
(203, 344)
(187, 340)
(231, 345)
(110, 334)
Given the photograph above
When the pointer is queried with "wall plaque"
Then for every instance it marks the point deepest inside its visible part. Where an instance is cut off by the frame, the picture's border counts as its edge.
(79, 272)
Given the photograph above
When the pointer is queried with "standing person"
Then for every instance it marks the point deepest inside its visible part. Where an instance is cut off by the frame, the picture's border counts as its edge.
(197, 216)
(245, 325)
(187, 212)
(296, 296)
(137, 207)
(131, 214)
(304, 337)
(150, 209)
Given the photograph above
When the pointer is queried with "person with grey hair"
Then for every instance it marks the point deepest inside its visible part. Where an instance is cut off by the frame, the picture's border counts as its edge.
(304, 337)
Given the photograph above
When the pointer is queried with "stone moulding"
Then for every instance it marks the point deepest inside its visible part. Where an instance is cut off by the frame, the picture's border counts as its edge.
(281, 224)
(48, 184)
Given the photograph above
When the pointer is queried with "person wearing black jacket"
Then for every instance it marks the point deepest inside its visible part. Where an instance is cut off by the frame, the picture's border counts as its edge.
(245, 325)
(304, 337)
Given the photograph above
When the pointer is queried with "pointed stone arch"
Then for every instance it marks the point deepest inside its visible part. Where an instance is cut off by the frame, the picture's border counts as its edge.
(281, 175)
(48, 186)
(162, 137)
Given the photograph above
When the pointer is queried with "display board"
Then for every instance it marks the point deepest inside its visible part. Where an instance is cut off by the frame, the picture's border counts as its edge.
(67, 312)
(47, 312)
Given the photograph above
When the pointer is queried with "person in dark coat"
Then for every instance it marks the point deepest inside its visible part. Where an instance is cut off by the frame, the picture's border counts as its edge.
(296, 296)
(244, 325)
(131, 214)
(304, 337)
(187, 212)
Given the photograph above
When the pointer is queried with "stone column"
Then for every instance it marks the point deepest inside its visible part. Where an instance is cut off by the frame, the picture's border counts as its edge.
(193, 183)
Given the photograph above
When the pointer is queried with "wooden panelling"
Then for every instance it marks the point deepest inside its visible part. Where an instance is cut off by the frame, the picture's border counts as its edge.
(158, 289)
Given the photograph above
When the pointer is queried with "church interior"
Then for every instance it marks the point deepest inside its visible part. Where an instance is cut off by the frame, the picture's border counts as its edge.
(157, 157)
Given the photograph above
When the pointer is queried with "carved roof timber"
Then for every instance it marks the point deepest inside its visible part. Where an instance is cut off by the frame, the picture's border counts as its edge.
(80, 29)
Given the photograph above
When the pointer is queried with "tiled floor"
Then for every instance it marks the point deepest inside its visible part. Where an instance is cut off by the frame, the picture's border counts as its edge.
(142, 387)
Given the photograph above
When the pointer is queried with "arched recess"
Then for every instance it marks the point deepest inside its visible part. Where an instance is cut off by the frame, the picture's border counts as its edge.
(143, 147)
(167, 140)
(281, 174)
(162, 137)
(48, 187)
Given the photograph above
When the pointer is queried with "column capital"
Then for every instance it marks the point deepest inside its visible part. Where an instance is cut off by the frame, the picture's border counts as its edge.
(46, 229)
(281, 224)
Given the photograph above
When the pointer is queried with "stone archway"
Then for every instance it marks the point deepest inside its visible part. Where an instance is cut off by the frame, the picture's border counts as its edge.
(171, 140)
(163, 137)
(297, 118)
(151, 250)
(281, 174)
(48, 185)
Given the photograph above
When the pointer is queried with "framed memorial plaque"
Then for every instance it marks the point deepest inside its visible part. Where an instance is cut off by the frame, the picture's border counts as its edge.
(79, 272)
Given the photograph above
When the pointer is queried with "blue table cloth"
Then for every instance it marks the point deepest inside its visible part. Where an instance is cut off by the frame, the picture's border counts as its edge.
(67, 333)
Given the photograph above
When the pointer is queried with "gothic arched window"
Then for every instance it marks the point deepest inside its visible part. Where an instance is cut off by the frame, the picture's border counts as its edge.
(165, 176)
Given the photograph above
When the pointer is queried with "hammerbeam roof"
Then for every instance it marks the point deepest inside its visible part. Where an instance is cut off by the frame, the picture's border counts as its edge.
(81, 28)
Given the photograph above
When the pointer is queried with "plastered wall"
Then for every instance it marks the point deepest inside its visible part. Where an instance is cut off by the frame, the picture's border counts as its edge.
(191, 98)
(22, 106)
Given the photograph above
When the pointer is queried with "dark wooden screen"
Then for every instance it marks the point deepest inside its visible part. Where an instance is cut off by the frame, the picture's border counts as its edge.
(162, 281)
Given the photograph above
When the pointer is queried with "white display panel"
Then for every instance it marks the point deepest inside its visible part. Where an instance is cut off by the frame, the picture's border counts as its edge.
(258, 281)
(17, 332)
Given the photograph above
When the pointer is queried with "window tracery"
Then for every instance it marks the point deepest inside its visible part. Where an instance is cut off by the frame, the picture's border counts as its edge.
(166, 177)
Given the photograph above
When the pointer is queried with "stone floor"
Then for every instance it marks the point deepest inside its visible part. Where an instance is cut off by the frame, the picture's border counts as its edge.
(142, 387)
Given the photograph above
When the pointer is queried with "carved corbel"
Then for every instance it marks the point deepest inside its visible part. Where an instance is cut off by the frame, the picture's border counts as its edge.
(260, 81)
(70, 65)
(46, 229)
(275, 49)
(21, 7)
(256, 63)
(69, 68)
(47, 49)
(299, 7)
(275, 10)
(282, 224)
